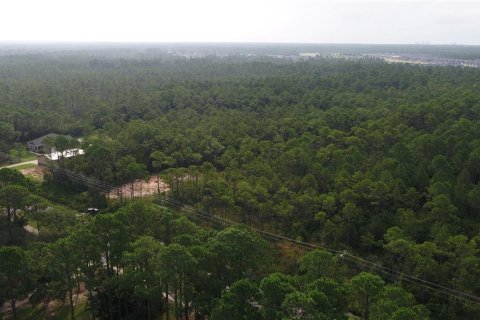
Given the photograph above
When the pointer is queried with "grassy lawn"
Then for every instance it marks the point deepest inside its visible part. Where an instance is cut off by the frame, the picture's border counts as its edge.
(24, 155)
(61, 313)
(29, 156)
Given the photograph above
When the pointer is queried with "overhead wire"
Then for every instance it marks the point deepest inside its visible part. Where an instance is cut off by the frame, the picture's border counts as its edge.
(212, 220)
(392, 274)
(407, 276)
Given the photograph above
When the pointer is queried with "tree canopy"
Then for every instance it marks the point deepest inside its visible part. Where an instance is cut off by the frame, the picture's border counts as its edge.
(377, 159)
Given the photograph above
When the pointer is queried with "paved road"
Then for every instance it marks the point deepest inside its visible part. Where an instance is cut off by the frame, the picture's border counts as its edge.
(35, 162)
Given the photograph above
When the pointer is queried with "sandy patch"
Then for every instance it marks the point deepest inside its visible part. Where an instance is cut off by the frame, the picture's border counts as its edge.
(141, 188)
(36, 173)
(31, 229)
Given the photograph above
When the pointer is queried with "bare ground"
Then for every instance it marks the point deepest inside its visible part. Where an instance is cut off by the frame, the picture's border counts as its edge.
(37, 172)
(31, 229)
(142, 188)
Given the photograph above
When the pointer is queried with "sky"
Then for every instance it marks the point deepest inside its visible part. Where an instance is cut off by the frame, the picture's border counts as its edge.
(277, 21)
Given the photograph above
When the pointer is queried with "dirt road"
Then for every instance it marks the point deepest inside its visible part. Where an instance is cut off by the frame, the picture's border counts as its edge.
(35, 162)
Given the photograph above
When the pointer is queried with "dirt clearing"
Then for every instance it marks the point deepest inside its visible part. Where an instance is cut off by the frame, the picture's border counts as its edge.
(36, 172)
(142, 188)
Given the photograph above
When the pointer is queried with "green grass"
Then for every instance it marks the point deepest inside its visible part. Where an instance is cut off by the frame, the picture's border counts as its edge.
(29, 157)
(24, 155)
(61, 313)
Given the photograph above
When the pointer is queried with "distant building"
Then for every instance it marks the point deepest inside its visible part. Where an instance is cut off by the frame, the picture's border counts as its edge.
(53, 157)
(38, 145)
(309, 54)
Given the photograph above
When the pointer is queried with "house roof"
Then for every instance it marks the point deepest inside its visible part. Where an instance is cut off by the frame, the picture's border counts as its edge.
(54, 156)
(39, 141)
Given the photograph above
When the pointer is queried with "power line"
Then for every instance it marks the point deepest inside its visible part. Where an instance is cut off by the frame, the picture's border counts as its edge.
(205, 217)
(396, 277)
(359, 261)
(77, 175)
(91, 182)
(407, 276)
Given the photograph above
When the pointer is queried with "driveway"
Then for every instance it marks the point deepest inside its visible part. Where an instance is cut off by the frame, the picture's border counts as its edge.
(35, 162)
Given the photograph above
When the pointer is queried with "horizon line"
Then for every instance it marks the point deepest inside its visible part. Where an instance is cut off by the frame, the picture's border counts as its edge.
(117, 42)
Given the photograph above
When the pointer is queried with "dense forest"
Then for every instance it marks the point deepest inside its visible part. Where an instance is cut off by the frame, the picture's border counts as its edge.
(374, 159)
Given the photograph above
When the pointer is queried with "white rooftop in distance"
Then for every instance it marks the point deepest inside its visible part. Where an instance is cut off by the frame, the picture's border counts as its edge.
(54, 156)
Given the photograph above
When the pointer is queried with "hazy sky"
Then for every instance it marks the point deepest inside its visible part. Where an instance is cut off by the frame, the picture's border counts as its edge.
(306, 21)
